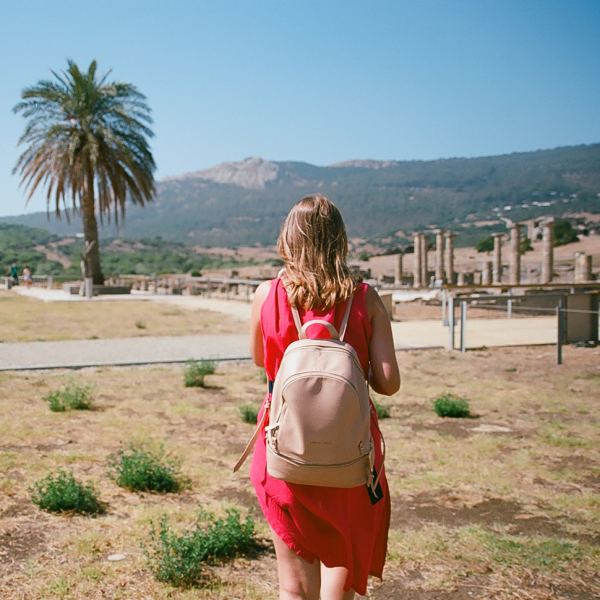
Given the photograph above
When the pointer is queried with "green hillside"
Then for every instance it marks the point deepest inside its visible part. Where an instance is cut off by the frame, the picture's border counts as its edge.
(377, 199)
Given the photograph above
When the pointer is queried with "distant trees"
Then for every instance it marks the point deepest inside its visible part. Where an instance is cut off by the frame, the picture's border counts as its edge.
(485, 245)
(87, 138)
(564, 233)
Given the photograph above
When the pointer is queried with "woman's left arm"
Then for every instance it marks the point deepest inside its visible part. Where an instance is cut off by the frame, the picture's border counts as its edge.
(384, 375)
(256, 339)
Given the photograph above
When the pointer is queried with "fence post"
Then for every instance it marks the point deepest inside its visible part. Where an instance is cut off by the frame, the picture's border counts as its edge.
(444, 305)
(509, 304)
(463, 326)
(451, 321)
(559, 332)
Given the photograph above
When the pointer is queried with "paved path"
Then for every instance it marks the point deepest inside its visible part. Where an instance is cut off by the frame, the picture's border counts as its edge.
(148, 350)
(479, 333)
(126, 351)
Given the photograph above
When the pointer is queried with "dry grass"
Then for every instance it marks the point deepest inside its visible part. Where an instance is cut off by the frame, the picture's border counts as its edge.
(25, 319)
(484, 511)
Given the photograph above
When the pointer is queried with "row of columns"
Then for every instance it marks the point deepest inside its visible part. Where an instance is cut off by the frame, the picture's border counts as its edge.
(492, 273)
(444, 258)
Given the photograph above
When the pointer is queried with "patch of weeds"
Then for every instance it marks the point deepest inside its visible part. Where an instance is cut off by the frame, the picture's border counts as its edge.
(137, 468)
(249, 413)
(542, 554)
(511, 370)
(565, 441)
(73, 397)
(449, 405)
(62, 492)
(140, 324)
(195, 372)
(263, 375)
(383, 412)
(179, 558)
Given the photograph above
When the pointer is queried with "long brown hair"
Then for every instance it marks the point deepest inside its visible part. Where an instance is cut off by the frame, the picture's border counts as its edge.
(314, 248)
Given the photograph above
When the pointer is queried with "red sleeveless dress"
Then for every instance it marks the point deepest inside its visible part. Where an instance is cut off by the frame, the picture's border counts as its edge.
(339, 526)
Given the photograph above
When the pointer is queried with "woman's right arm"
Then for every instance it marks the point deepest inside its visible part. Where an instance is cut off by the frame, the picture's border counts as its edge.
(384, 375)
(256, 339)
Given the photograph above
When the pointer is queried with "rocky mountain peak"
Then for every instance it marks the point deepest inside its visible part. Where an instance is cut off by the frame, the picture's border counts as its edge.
(252, 173)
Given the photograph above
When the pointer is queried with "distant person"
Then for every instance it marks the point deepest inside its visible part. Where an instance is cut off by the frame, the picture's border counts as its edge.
(14, 273)
(327, 540)
(27, 276)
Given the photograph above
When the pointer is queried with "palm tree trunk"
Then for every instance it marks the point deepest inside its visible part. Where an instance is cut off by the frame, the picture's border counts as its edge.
(90, 233)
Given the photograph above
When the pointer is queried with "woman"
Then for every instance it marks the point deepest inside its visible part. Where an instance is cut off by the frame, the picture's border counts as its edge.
(327, 540)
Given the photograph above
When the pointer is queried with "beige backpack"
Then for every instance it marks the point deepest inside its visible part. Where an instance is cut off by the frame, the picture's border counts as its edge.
(319, 424)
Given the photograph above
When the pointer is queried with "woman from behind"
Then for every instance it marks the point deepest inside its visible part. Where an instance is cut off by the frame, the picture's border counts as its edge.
(327, 540)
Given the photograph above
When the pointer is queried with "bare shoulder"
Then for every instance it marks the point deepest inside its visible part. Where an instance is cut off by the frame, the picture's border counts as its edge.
(374, 303)
(262, 291)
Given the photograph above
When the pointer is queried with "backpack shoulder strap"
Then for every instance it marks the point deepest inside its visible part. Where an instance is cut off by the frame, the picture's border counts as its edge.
(301, 329)
(346, 318)
(252, 441)
(297, 320)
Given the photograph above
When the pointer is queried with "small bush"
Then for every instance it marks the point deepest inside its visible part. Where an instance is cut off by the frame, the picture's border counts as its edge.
(62, 492)
(195, 372)
(449, 405)
(383, 412)
(249, 413)
(179, 558)
(73, 397)
(137, 468)
(140, 324)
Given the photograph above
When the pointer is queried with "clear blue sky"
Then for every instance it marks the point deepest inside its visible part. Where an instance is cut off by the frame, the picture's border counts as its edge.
(319, 81)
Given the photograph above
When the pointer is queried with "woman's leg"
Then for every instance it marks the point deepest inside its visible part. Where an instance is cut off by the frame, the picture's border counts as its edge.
(298, 579)
(332, 583)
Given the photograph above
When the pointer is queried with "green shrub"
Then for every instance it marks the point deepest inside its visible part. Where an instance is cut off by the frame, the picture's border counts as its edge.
(449, 405)
(137, 468)
(195, 372)
(55, 403)
(383, 412)
(73, 397)
(249, 413)
(179, 558)
(62, 492)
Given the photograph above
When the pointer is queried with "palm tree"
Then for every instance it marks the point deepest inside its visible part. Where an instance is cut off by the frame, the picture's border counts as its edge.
(87, 140)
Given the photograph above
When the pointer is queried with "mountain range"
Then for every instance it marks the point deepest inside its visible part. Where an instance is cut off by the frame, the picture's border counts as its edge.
(244, 203)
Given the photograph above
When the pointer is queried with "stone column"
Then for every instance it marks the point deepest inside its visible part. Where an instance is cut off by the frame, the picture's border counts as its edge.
(547, 251)
(417, 265)
(439, 255)
(497, 262)
(461, 279)
(398, 270)
(424, 264)
(449, 258)
(583, 267)
(486, 273)
(515, 254)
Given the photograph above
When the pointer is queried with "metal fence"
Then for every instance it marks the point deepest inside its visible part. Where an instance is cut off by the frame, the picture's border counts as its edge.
(577, 316)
